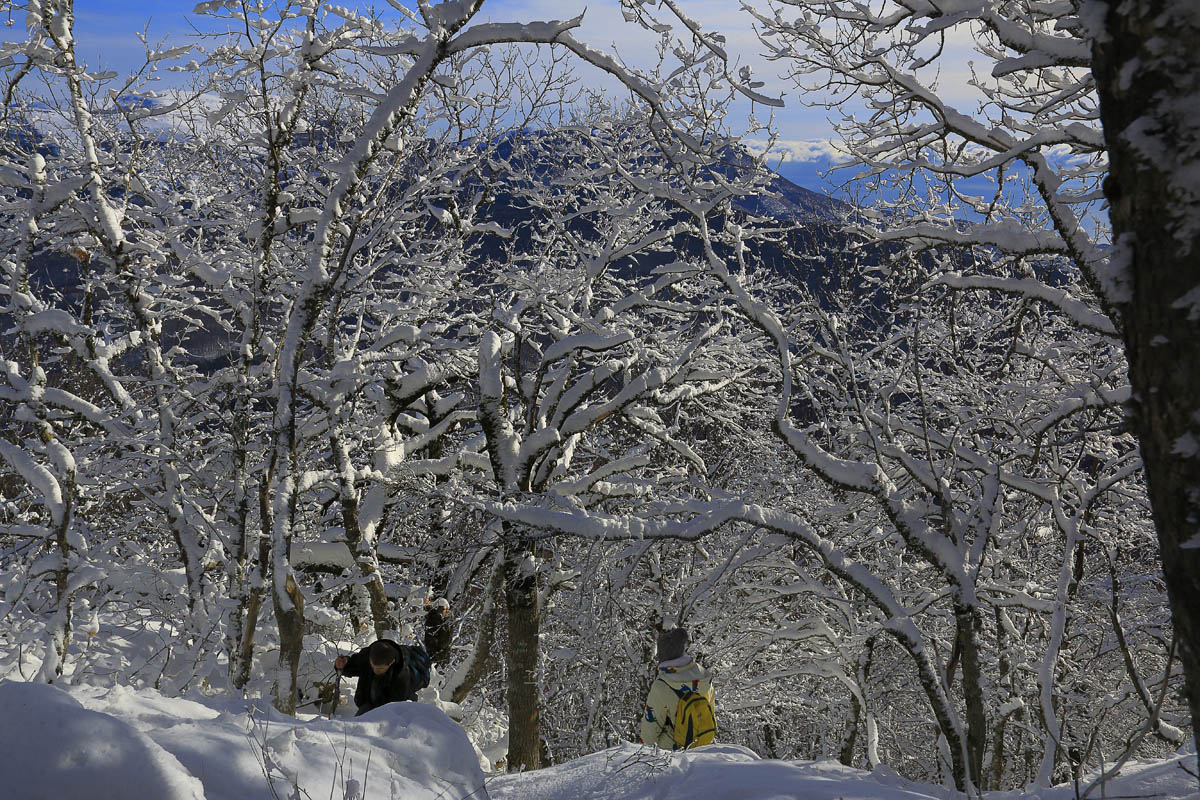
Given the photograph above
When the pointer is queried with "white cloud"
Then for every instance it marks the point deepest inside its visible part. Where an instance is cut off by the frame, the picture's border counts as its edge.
(798, 150)
(604, 28)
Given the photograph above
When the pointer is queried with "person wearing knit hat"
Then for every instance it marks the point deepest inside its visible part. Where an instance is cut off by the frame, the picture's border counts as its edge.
(678, 677)
(672, 644)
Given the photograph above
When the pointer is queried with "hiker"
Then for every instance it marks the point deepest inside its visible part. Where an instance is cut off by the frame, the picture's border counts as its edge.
(679, 708)
(387, 673)
(439, 630)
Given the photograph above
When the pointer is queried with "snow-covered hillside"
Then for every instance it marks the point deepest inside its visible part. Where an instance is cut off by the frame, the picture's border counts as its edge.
(99, 743)
(327, 327)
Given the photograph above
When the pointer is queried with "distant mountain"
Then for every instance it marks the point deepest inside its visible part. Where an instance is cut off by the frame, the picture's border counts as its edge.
(803, 248)
(792, 202)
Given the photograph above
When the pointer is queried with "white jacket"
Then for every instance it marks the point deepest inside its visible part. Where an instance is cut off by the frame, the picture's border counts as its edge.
(658, 719)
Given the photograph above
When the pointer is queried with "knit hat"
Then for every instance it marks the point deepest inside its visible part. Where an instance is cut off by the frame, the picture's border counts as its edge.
(382, 653)
(672, 644)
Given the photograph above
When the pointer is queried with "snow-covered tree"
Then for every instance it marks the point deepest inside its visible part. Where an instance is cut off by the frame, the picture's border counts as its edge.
(988, 213)
(1152, 130)
(270, 260)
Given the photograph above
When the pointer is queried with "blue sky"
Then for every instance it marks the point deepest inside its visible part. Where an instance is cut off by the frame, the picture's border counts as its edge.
(106, 34)
(105, 30)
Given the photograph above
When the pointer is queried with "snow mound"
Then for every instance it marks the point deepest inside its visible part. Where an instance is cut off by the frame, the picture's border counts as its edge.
(101, 742)
(715, 772)
(245, 750)
(54, 748)
(421, 743)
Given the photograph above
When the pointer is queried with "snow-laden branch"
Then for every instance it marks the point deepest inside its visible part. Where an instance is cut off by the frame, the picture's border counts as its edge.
(1097, 398)
(615, 467)
(590, 342)
(1074, 309)
(491, 33)
(856, 475)
(1008, 236)
(38, 477)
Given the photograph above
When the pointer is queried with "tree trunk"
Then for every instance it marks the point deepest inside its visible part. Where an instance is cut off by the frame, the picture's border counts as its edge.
(861, 672)
(439, 629)
(769, 740)
(1004, 687)
(240, 671)
(850, 737)
(968, 624)
(362, 547)
(524, 627)
(278, 521)
(239, 566)
(289, 617)
(1152, 129)
(58, 631)
(252, 599)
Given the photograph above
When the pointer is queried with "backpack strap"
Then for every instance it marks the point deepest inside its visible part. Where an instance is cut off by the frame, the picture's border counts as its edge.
(681, 692)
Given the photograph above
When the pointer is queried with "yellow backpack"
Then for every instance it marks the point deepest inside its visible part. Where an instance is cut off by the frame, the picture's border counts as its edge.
(695, 720)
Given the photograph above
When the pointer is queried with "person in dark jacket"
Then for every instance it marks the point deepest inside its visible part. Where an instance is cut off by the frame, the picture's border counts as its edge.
(383, 675)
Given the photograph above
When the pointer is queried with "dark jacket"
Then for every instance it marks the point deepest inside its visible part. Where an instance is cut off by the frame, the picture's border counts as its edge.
(374, 690)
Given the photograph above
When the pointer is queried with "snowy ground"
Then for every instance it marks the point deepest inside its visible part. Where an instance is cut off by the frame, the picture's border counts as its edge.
(101, 743)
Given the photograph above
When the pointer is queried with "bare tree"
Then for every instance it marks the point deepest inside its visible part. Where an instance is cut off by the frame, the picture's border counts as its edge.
(1035, 234)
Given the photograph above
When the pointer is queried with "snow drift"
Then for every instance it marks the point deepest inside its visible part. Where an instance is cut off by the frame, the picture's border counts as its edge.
(119, 743)
(54, 748)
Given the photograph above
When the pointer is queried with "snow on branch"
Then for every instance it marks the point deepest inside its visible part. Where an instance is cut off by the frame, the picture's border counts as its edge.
(333, 556)
(702, 519)
(968, 458)
(592, 342)
(614, 467)
(610, 65)
(53, 320)
(855, 475)
(1096, 398)
(1062, 51)
(38, 477)
(23, 530)
(92, 413)
(490, 33)
(1076, 310)
(1007, 235)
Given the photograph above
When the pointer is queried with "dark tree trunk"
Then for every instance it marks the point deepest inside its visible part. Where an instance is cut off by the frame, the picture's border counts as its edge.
(289, 616)
(969, 624)
(769, 739)
(1151, 126)
(240, 566)
(245, 646)
(253, 599)
(439, 627)
(1004, 684)
(524, 626)
(850, 737)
